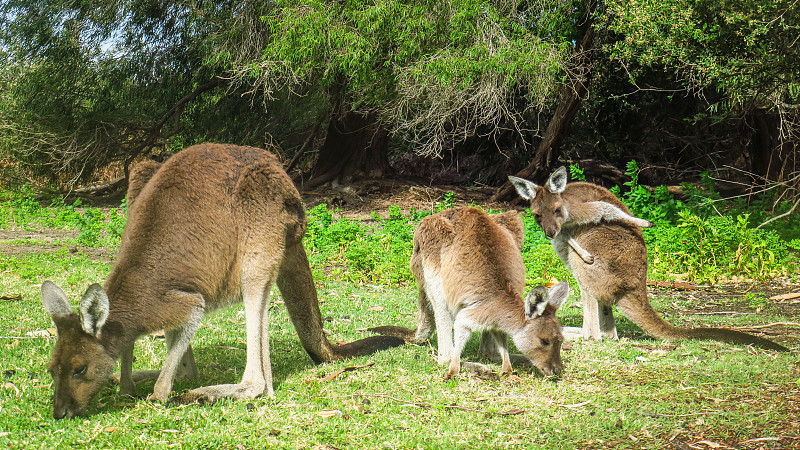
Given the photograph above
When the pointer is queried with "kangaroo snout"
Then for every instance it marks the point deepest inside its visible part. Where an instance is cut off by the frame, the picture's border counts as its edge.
(65, 409)
(552, 371)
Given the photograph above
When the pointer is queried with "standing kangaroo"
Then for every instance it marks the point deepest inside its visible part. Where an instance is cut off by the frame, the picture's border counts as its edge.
(619, 274)
(470, 274)
(213, 226)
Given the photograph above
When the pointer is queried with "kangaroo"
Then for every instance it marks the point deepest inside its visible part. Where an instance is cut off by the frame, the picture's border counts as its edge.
(570, 214)
(619, 273)
(213, 226)
(470, 275)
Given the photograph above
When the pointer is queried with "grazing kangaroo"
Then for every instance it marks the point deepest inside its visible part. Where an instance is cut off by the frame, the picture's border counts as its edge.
(470, 274)
(619, 273)
(213, 226)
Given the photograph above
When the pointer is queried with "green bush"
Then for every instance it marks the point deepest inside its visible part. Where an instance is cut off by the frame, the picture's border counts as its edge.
(717, 248)
(361, 252)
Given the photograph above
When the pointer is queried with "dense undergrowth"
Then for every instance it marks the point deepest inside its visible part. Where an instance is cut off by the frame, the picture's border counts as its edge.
(700, 240)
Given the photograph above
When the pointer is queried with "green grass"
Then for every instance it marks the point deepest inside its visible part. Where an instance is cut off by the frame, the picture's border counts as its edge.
(632, 393)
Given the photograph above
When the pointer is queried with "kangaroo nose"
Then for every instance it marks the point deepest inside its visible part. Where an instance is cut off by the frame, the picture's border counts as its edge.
(550, 234)
(59, 413)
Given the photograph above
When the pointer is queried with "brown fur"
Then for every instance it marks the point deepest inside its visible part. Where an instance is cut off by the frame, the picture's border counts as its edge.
(470, 274)
(619, 273)
(213, 225)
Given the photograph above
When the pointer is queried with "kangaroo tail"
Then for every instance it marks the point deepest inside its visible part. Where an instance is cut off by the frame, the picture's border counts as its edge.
(300, 298)
(407, 334)
(640, 312)
(731, 336)
(367, 346)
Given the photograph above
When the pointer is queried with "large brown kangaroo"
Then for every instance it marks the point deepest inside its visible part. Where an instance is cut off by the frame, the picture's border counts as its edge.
(469, 271)
(618, 275)
(215, 225)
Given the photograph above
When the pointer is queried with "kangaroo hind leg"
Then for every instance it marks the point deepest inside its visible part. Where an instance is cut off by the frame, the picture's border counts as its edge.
(179, 341)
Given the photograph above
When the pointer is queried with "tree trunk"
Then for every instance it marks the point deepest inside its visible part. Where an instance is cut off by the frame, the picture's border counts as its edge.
(771, 157)
(569, 101)
(355, 145)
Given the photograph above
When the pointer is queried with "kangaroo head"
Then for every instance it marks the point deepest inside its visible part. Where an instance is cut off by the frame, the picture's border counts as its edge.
(80, 365)
(540, 339)
(547, 206)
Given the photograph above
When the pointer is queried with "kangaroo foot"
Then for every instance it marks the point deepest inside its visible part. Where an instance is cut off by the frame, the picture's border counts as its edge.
(479, 370)
(210, 394)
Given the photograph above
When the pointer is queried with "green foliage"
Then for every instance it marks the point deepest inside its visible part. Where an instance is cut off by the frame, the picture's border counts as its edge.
(745, 50)
(361, 252)
(657, 206)
(695, 248)
(576, 173)
(422, 66)
(718, 248)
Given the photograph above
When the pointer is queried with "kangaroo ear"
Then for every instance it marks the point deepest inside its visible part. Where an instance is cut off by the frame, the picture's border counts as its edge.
(557, 181)
(55, 302)
(536, 301)
(526, 189)
(557, 294)
(94, 309)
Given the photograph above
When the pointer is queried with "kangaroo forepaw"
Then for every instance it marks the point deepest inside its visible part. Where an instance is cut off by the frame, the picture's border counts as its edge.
(479, 370)
(644, 223)
(588, 259)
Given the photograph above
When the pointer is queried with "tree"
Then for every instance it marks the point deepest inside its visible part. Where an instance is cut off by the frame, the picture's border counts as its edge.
(88, 84)
(746, 50)
(432, 73)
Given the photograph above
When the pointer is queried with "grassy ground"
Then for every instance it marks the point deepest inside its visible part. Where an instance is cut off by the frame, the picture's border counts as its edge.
(634, 393)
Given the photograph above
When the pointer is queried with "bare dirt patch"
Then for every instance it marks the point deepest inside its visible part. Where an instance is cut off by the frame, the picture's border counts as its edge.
(49, 241)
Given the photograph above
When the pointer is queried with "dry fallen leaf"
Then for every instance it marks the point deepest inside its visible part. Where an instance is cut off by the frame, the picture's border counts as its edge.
(328, 413)
(514, 378)
(375, 308)
(709, 444)
(12, 386)
(110, 429)
(788, 296)
(576, 405)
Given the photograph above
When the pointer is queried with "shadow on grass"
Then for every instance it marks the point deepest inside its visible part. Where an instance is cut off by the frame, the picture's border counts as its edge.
(218, 362)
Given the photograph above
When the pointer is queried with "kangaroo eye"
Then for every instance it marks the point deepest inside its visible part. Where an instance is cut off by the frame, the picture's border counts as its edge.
(545, 342)
(558, 211)
(80, 371)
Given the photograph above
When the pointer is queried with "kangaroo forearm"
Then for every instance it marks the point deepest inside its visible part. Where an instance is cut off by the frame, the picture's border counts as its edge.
(593, 212)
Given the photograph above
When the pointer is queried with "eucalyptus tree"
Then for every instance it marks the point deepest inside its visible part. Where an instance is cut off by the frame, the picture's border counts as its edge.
(87, 84)
(746, 50)
(432, 73)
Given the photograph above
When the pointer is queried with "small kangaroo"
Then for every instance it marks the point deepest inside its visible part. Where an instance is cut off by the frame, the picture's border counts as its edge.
(574, 212)
(470, 274)
(213, 226)
(619, 273)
